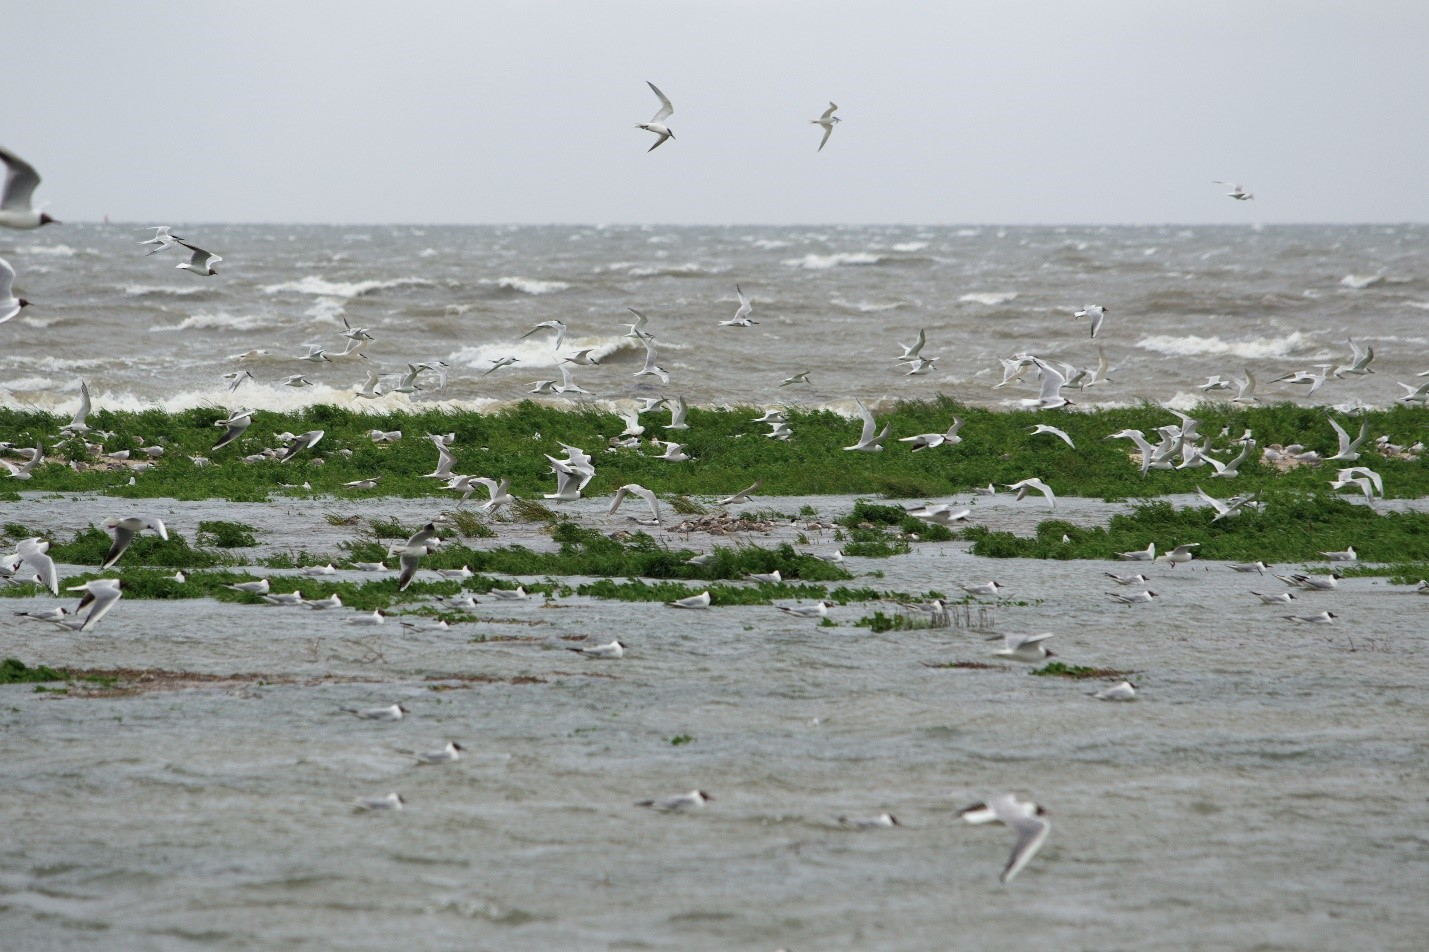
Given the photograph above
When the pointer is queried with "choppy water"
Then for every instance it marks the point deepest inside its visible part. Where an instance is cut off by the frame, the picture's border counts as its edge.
(1184, 303)
(1268, 790)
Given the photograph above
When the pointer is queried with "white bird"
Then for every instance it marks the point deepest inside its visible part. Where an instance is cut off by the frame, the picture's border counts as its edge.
(1418, 394)
(701, 600)
(237, 422)
(77, 424)
(1362, 356)
(392, 712)
(742, 496)
(297, 380)
(100, 595)
(1247, 567)
(605, 652)
(928, 441)
(1023, 485)
(636, 329)
(1125, 691)
(1236, 192)
(332, 601)
(651, 369)
(390, 803)
(1147, 554)
(1135, 598)
(318, 571)
(1059, 434)
(26, 469)
(920, 366)
(1024, 819)
(771, 578)
(741, 317)
(1053, 380)
(1323, 618)
(125, 530)
(800, 377)
(674, 452)
(558, 326)
(10, 305)
(816, 610)
(516, 594)
(868, 442)
(303, 441)
(911, 351)
(1245, 389)
(685, 801)
(259, 587)
(286, 599)
(1182, 553)
(1026, 648)
(1348, 555)
(657, 122)
(1137, 579)
(21, 180)
(162, 239)
(410, 553)
(636, 489)
(983, 588)
(376, 618)
(1215, 383)
(363, 483)
(500, 362)
(202, 261)
(1096, 312)
(33, 553)
(883, 820)
(677, 415)
(827, 120)
(449, 754)
(1349, 450)
(1279, 598)
(445, 461)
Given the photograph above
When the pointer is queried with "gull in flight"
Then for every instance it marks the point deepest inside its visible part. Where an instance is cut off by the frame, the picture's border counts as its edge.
(162, 238)
(238, 421)
(1096, 312)
(10, 305)
(1227, 509)
(33, 553)
(742, 496)
(202, 261)
(868, 442)
(1182, 553)
(1024, 819)
(500, 362)
(1411, 394)
(645, 494)
(827, 120)
(939, 515)
(100, 595)
(657, 122)
(1027, 648)
(685, 801)
(741, 317)
(303, 441)
(124, 532)
(800, 377)
(21, 180)
(928, 441)
(1033, 483)
(78, 424)
(410, 553)
(1236, 192)
(558, 326)
(1053, 380)
(25, 470)
(1059, 434)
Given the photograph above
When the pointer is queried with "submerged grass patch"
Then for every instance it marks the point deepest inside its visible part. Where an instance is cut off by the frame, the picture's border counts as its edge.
(729, 451)
(1058, 669)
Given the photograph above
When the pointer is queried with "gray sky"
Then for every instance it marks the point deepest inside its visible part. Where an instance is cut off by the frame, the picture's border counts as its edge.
(524, 111)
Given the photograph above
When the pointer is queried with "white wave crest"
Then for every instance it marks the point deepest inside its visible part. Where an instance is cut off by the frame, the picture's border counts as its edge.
(813, 262)
(220, 321)
(312, 284)
(137, 290)
(25, 384)
(59, 251)
(769, 244)
(910, 246)
(536, 353)
(1192, 345)
(1358, 282)
(868, 307)
(526, 285)
(990, 298)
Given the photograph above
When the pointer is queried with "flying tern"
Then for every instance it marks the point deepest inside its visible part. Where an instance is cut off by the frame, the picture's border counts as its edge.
(657, 122)
(827, 120)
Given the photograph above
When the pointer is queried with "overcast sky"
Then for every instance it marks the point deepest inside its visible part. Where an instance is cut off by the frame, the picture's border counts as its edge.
(1050, 111)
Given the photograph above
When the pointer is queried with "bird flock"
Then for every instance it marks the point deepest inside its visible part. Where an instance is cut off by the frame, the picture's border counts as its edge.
(1174, 446)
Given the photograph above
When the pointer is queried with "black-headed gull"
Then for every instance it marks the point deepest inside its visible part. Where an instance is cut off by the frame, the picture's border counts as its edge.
(21, 180)
(685, 801)
(1125, 691)
(125, 530)
(609, 651)
(1024, 819)
(1027, 648)
(10, 305)
(202, 261)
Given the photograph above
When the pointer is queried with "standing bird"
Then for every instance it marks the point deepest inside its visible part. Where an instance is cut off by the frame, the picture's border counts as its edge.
(657, 122)
(21, 180)
(827, 120)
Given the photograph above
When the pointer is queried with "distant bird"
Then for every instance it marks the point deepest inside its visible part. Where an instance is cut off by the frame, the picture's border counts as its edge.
(1137, 579)
(800, 377)
(741, 317)
(827, 120)
(449, 754)
(392, 802)
(608, 651)
(816, 610)
(869, 823)
(10, 305)
(636, 329)
(1033, 483)
(1026, 648)
(1237, 192)
(686, 801)
(765, 578)
(259, 587)
(983, 588)
(558, 326)
(1349, 450)
(1135, 598)
(742, 496)
(1278, 598)
(21, 180)
(1147, 554)
(1361, 358)
(392, 712)
(1059, 434)
(701, 600)
(928, 441)
(1024, 819)
(202, 261)
(911, 351)
(1125, 691)
(657, 122)
(500, 362)
(1323, 618)
(125, 530)
(162, 239)
(1094, 311)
